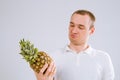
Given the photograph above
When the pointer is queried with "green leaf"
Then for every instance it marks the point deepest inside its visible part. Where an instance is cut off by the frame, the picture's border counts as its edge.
(27, 50)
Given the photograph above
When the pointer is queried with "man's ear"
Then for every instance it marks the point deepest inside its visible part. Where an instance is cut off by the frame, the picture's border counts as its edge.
(92, 30)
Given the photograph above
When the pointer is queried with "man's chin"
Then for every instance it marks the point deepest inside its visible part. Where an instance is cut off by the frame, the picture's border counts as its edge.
(75, 43)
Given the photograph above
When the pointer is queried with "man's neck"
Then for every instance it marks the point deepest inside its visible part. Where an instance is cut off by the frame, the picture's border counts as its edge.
(78, 48)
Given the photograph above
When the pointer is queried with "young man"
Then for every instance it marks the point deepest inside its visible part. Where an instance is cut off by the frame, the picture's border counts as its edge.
(78, 60)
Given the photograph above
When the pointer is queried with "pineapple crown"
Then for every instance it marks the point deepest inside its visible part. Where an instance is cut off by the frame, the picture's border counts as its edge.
(27, 50)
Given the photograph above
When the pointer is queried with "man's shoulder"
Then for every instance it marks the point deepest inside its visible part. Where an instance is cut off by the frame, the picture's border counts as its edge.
(100, 53)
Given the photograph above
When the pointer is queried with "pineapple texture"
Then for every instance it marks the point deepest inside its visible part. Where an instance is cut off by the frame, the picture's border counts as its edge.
(36, 59)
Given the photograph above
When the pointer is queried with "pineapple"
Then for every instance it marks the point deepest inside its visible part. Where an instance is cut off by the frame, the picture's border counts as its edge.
(36, 59)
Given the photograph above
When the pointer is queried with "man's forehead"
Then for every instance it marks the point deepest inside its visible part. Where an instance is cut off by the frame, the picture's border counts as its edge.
(80, 19)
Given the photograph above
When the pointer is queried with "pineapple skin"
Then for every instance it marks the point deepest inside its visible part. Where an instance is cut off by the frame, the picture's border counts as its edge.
(41, 59)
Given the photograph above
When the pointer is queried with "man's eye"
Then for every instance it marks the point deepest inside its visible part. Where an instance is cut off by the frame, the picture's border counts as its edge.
(71, 25)
(81, 27)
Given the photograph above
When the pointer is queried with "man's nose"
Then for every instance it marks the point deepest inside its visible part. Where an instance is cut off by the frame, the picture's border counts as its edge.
(75, 30)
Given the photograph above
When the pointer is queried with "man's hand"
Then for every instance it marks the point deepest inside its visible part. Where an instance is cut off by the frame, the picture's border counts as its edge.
(47, 72)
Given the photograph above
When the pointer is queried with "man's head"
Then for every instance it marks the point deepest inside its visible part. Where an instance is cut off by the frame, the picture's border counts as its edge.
(86, 12)
(81, 27)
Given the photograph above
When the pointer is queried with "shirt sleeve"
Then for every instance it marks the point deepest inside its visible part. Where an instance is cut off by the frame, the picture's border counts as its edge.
(108, 71)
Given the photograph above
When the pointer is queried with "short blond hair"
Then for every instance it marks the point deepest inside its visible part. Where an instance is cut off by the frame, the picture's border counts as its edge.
(86, 12)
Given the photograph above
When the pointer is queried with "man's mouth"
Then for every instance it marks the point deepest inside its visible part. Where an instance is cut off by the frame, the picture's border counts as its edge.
(73, 36)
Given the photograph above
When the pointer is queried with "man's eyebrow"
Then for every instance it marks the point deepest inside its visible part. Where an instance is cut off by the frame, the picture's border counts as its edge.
(80, 25)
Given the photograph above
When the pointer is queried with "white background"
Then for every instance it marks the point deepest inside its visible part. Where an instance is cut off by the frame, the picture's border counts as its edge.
(45, 23)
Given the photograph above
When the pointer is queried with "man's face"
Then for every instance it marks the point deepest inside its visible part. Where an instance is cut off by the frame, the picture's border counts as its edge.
(79, 29)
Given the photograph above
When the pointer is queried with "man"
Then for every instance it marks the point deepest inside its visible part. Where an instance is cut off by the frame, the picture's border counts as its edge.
(78, 60)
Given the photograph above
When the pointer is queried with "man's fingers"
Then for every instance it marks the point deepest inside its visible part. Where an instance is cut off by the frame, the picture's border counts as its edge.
(44, 68)
(49, 70)
(53, 68)
(53, 71)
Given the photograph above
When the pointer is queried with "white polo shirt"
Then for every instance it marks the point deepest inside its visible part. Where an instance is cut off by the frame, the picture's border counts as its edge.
(90, 64)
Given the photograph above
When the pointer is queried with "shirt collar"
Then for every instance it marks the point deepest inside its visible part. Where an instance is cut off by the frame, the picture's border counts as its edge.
(87, 51)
